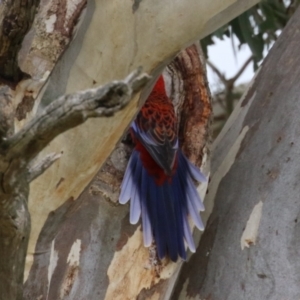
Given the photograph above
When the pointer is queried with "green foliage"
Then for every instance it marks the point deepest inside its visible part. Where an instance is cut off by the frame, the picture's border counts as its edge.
(258, 27)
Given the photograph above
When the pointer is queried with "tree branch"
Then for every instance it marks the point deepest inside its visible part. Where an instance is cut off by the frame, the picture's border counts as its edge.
(71, 110)
(215, 69)
(242, 69)
(39, 168)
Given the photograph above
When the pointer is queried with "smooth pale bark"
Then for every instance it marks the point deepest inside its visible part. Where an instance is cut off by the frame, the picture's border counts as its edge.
(250, 248)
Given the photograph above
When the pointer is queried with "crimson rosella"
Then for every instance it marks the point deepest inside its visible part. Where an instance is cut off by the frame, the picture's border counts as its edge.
(159, 179)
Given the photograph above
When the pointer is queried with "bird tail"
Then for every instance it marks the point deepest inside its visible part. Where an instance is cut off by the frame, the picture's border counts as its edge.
(164, 208)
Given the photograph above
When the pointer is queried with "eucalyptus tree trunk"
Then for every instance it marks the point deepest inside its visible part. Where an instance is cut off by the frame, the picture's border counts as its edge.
(113, 38)
(250, 247)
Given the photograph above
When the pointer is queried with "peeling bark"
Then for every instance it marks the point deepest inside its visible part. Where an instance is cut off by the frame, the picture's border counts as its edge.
(196, 116)
(55, 26)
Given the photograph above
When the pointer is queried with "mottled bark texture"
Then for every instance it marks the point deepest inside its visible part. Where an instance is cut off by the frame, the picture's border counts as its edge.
(16, 18)
(87, 248)
(255, 172)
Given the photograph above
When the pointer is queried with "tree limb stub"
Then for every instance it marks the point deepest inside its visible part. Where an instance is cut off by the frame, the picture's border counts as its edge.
(39, 168)
(71, 110)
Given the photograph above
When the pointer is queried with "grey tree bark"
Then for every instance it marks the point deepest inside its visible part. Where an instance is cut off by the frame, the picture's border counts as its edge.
(250, 248)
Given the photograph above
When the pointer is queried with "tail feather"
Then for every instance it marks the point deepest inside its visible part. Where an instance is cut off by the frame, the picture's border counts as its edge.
(164, 208)
(191, 200)
(179, 215)
(193, 170)
(173, 216)
(186, 210)
(154, 215)
(194, 196)
(135, 205)
(158, 217)
(147, 231)
(128, 182)
(188, 236)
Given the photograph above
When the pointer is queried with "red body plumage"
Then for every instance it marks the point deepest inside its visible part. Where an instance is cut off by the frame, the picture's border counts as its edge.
(158, 117)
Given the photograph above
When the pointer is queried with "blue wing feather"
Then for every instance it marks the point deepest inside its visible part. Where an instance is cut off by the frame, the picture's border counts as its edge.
(193, 170)
(128, 183)
(147, 230)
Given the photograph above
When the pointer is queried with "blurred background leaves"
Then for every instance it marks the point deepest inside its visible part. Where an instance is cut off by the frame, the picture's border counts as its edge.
(258, 28)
